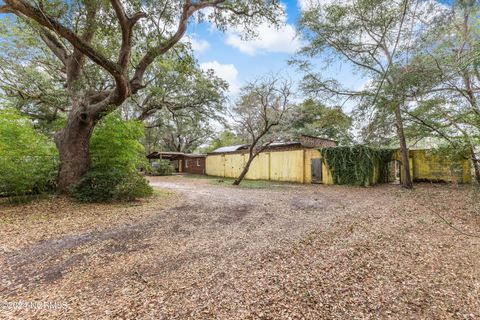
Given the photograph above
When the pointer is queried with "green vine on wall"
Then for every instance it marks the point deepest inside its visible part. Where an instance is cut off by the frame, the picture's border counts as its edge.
(356, 165)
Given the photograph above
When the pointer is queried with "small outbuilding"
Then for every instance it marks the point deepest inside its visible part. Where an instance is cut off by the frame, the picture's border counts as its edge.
(182, 162)
(302, 162)
(295, 161)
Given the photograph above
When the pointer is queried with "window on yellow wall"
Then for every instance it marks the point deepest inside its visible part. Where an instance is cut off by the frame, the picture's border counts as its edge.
(198, 162)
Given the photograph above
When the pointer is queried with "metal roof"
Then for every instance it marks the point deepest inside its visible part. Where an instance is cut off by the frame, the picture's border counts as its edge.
(194, 155)
(230, 148)
(172, 155)
(277, 144)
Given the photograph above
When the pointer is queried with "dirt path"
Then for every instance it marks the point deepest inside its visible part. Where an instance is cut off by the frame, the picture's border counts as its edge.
(234, 253)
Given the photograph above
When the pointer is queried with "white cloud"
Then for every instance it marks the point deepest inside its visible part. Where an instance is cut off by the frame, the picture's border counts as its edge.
(304, 5)
(269, 39)
(227, 72)
(198, 45)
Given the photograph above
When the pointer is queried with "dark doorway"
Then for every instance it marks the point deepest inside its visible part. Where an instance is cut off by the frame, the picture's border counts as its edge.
(317, 171)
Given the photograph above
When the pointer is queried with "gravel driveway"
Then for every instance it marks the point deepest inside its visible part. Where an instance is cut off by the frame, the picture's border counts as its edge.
(208, 251)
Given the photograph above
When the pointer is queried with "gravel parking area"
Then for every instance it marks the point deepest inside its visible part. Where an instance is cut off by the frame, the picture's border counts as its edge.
(202, 251)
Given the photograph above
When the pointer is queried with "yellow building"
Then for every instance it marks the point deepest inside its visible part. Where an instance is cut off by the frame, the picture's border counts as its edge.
(292, 161)
(301, 162)
(425, 165)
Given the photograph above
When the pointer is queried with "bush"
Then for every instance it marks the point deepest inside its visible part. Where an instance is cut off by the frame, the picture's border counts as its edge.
(135, 186)
(117, 154)
(162, 167)
(99, 185)
(28, 159)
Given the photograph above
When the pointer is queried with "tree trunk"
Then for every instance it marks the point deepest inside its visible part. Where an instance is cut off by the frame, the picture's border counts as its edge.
(476, 165)
(245, 170)
(406, 178)
(73, 143)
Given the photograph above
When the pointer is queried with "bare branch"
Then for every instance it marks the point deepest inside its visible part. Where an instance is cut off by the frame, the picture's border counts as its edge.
(22, 7)
(188, 10)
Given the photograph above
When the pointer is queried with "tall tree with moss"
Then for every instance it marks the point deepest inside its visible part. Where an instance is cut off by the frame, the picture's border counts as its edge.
(375, 38)
(261, 115)
(446, 81)
(314, 118)
(120, 40)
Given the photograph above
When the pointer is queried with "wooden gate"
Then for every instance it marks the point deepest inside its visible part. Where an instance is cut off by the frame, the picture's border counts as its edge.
(317, 171)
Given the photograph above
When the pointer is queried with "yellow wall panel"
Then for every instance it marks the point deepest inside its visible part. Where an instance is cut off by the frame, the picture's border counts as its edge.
(215, 166)
(234, 164)
(260, 167)
(428, 166)
(287, 166)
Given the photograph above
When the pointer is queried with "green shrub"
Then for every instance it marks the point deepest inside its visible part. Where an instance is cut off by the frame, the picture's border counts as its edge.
(117, 154)
(99, 185)
(136, 186)
(116, 143)
(162, 167)
(28, 159)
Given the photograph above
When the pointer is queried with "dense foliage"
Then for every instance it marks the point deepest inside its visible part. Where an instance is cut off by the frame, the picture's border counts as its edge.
(314, 118)
(356, 165)
(28, 159)
(223, 139)
(115, 184)
(162, 167)
(117, 155)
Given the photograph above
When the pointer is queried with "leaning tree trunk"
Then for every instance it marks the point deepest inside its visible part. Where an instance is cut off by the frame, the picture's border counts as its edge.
(244, 171)
(476, 165)
(73, 143)
(406, 178)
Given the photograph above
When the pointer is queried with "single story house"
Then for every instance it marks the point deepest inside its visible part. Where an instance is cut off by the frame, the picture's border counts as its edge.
(182, 162)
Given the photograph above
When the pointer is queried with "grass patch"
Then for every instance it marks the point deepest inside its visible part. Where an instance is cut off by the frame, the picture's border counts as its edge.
(250, 184)
(201, 176)
(247, 184)
(25, 199)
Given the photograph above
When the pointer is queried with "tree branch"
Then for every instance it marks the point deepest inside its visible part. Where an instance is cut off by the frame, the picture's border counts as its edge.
(188, 9)
(22, 7)
(54, 45)
(126, 25)
(5, 9)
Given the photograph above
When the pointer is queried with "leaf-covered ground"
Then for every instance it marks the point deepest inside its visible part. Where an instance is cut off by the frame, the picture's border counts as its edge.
(204, 251)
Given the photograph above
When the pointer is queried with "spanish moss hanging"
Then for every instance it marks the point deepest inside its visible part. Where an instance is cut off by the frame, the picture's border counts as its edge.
(356, 165)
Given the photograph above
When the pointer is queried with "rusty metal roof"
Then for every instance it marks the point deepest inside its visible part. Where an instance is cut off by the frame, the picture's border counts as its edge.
(230, 148)
(172, 155)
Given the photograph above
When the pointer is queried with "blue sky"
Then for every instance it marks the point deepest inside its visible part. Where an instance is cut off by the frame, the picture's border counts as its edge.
(239, 62)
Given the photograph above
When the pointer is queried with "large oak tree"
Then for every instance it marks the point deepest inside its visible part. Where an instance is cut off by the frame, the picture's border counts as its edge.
(120, 39)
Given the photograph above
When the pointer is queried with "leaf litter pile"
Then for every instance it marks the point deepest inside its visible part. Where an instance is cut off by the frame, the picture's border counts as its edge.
(202, 251)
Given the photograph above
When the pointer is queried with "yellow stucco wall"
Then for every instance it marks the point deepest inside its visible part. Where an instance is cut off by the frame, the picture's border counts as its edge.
(428, 166)
(292, 166)
(296, 166)
(424, 165)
